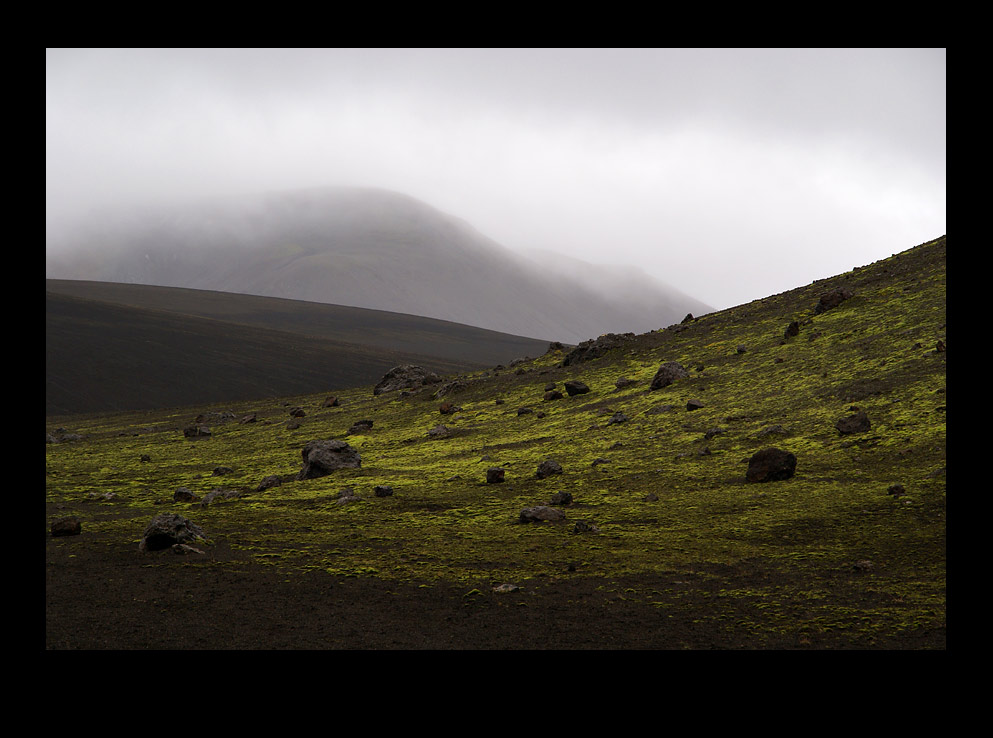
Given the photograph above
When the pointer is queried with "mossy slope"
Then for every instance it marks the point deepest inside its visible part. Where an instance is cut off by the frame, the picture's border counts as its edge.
(672, 517)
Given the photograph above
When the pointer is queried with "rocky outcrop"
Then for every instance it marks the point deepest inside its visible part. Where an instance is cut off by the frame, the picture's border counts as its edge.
(405, 377)
(595, 348)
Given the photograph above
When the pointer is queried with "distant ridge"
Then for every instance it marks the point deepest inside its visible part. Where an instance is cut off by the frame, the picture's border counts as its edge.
(113, 347)
(362, 248)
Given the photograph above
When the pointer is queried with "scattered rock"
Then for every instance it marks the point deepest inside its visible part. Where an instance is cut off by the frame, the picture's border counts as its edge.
(650, 497)
(440, 431)
(447, 408)
(863, 566)
(321, 457)
(897, 490)
(623, 382)
(220, 471)
(360, 426)
(793, 329)
(455, 386)
(184, 494)
(582, 526)
(196, 431)
(504, 588)
(540, 514)
(221, 493)
(668, 373)
(347, 495)
(70, 526)
(524, 411)
(772, 430)
(406, 376)
(770, 465)
(273, 480)
(561, 498)
(553, 395)
(251, 418)
(600, 460)
(575, 387)
(298, 412)
(547, 468)
(168, 529)
(857, 423)
(331, 401)
(145, 458)
(382, 490)
(618, 417)
(713, 432)
(694, 404)
(741, 349)
(832, 299)
(494, 475)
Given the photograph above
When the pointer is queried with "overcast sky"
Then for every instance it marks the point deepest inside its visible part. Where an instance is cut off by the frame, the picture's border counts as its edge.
(730, 174)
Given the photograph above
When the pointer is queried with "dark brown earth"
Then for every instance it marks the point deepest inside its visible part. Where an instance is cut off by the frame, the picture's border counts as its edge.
(101, 594)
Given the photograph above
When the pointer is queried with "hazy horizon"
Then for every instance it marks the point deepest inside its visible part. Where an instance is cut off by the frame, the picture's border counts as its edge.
(728, 174)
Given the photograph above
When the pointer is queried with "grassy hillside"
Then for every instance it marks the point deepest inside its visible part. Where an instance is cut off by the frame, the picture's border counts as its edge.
(135, 347)
(661, 522)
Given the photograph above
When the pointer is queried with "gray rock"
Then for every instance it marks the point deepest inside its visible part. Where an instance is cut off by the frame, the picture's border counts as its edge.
(321, 457)
(668, 373)
(547, 468)
(168, 529)
(540, 514)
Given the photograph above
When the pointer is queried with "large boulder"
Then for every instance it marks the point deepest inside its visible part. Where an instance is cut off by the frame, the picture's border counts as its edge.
(668, 373)
(321, 457)
(405, 376)
(575, 387)
(167, 530)
(770, 465)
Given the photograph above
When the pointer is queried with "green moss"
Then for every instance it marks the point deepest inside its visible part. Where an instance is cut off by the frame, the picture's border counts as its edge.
(798, 540)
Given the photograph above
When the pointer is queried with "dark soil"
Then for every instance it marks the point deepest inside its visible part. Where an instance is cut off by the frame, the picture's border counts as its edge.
(104, 595)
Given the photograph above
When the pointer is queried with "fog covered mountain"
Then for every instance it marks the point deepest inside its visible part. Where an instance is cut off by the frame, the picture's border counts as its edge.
(365, 248)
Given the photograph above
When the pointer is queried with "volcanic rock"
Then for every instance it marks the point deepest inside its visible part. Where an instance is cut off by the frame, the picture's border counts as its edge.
(321, 457)
(857, 423)
(547, 468)
(168, 529)
(405, 376)
(668, 373)
(770, 465)
(575, 387)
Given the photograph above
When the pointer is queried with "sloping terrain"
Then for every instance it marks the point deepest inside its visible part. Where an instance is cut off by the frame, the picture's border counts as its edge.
(109, 357)
(662, 542)
(361, 248)
(129, 347)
